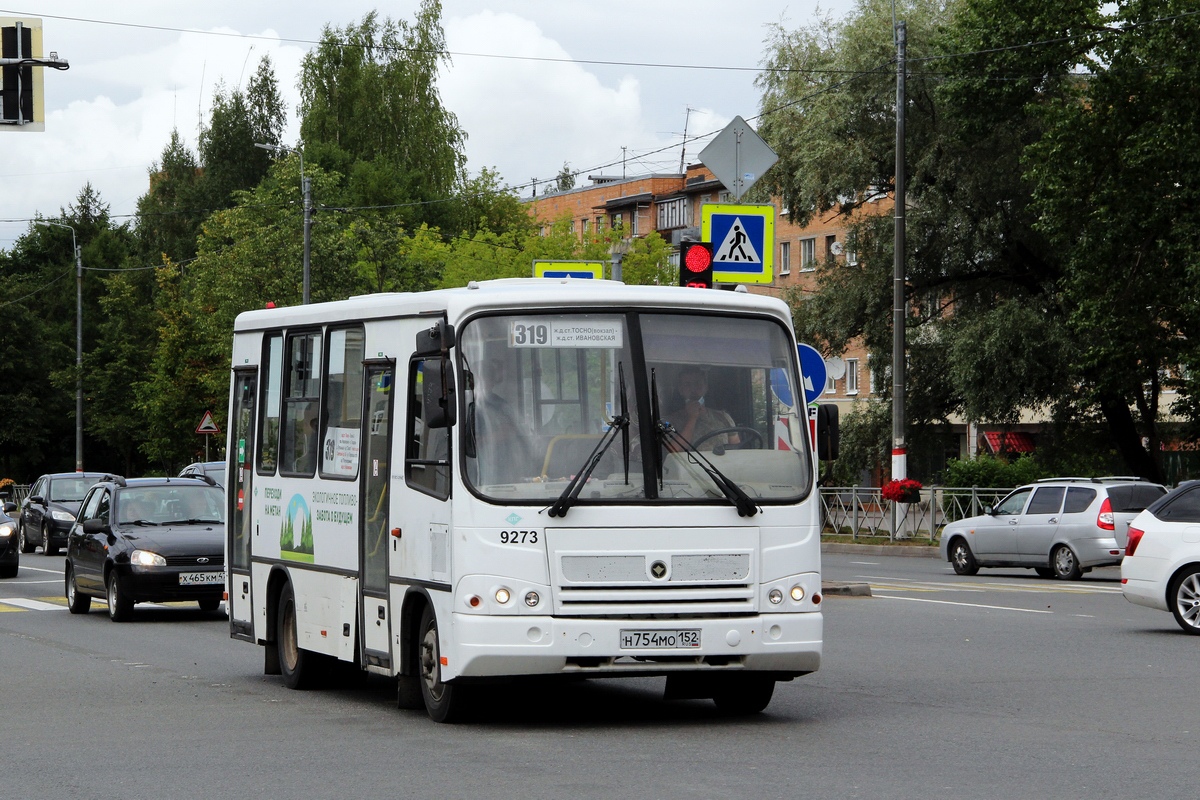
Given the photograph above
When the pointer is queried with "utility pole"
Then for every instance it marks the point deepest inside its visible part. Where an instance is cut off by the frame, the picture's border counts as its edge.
(307, 184)
(899, 443)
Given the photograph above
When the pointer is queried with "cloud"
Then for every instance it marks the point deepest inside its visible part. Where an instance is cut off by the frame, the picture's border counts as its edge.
(528, 117)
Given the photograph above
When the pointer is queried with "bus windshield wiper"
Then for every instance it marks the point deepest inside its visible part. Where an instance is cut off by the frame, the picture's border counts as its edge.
(620, 424)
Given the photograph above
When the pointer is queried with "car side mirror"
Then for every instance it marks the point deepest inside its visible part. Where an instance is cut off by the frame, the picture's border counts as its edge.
(95, 526)
(991, 512)
(37, 498)
(9, 507)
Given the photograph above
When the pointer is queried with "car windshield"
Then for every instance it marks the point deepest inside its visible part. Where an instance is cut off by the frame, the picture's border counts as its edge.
(540, 392)
(171, 504)
(217, 474)
(72, 489)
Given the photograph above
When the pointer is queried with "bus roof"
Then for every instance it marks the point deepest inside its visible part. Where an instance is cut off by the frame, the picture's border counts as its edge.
(514, 293)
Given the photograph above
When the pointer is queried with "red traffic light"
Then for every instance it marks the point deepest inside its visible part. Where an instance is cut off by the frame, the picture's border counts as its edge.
(695, 265)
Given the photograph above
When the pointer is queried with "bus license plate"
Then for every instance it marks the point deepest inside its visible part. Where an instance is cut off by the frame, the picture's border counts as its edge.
(679, 639)
(200, 578)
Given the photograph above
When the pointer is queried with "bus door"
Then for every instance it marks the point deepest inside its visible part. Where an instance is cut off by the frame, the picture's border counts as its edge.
(239, 475)
(375, 530)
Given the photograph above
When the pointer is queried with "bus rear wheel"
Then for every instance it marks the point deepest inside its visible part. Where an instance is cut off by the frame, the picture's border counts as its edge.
(297, 665)
(444, 702)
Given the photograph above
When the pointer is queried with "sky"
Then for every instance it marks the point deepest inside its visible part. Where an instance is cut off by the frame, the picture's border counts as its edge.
(140, 68)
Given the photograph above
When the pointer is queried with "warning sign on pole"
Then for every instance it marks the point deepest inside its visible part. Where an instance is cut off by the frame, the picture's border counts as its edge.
(207, 424)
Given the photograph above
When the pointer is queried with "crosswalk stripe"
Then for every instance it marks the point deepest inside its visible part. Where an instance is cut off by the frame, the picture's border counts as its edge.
(28, 604)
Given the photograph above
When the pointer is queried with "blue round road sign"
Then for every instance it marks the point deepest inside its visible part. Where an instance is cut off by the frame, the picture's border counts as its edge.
(812, 372)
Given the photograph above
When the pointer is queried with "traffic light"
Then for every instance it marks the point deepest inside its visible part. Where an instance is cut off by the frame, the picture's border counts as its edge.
(16, 94)
(696, 264)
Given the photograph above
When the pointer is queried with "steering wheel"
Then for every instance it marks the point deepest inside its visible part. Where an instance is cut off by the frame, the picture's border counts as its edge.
(738, 429)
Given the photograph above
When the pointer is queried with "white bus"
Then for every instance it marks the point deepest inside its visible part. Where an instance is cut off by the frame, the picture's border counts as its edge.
(529, 477)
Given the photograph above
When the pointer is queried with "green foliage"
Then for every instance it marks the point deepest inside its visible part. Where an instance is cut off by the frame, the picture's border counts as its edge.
(1051, 219)
(865, 443)
(991, 472)
(371, 110)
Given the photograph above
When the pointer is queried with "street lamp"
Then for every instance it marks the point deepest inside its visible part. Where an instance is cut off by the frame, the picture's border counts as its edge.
(78, 342)
(306, 187)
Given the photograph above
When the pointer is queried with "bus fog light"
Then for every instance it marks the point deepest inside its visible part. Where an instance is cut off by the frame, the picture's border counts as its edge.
(775, 596)
(532, 599)
(503, 596)
(797, 593)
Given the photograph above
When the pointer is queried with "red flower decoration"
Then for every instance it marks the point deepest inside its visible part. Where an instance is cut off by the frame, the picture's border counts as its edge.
(905, 490)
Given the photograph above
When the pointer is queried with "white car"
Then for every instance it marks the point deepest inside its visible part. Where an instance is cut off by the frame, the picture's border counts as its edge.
(1161, 568)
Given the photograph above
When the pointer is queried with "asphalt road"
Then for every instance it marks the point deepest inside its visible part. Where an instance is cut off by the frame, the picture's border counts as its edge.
(998, 685)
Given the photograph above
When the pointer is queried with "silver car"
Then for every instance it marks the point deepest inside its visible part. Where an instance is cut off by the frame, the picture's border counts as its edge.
(1059, 527)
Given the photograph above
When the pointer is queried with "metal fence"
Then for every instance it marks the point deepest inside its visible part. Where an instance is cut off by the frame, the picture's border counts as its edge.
(862, 512)
(17, 493)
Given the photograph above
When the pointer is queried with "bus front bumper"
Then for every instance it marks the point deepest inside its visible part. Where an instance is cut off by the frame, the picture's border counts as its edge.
(491, 646)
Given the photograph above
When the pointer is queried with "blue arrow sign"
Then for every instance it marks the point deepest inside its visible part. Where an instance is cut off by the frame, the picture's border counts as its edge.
(812, 372)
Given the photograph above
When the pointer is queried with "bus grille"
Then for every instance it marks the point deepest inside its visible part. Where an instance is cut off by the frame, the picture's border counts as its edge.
(675, 600)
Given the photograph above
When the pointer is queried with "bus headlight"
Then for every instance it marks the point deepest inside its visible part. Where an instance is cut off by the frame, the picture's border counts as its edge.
(797, 593)
(775, 596)
(503, 596)
(532, 599)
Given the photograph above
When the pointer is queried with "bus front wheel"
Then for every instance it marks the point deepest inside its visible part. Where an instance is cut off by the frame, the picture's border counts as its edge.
(741, 695)
(444, 702)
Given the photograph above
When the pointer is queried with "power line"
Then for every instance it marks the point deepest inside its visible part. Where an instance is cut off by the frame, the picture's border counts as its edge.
(421, 50)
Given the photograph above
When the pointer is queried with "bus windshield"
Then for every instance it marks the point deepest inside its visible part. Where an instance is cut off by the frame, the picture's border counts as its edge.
(541, 390)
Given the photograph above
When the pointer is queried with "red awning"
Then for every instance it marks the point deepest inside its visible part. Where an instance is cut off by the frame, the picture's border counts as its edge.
(1010, 442)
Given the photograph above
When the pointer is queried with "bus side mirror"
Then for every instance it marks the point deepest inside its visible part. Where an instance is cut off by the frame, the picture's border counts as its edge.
(827, 432)
(438, 393)
(436, 341)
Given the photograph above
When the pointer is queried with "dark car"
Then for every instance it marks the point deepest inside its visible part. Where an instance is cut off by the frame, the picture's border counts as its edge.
(213, 469)
(10, 551)
(49, 511)
(147, 540)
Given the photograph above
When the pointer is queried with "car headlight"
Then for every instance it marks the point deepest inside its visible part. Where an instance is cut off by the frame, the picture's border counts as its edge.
(63, 516)
(144, 558)
(7, 529)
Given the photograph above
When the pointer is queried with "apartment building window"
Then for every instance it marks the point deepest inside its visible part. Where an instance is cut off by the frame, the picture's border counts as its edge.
(808, 255)
(585, 225)
(785, 258)
(851, 376)
(725, 197)
(599, 224)
(572, 226)
(830, 241)
(672, 213)
(618, 219)
(830, 385)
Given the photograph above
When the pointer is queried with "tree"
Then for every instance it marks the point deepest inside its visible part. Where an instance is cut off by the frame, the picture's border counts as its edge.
(565, 181)
(238, 122)
(371, 110)
(1019, 271)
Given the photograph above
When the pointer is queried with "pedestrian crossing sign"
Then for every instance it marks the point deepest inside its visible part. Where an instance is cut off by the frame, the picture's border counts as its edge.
(743, 239)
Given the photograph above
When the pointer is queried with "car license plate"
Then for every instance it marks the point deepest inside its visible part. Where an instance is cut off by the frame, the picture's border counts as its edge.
(688, 638)
(200, 578)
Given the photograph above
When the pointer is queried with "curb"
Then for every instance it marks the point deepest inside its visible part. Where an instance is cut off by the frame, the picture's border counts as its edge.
(907, 551)
(838, 589)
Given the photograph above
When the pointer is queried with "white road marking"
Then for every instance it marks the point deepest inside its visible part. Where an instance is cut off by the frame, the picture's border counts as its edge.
(866, 563)
(901, 584)
(970, 605)
(32, 605)
(42, 569)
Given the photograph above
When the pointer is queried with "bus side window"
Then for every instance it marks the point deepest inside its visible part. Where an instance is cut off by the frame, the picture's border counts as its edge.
(301, 405)
(427, 456)
(342, 404)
